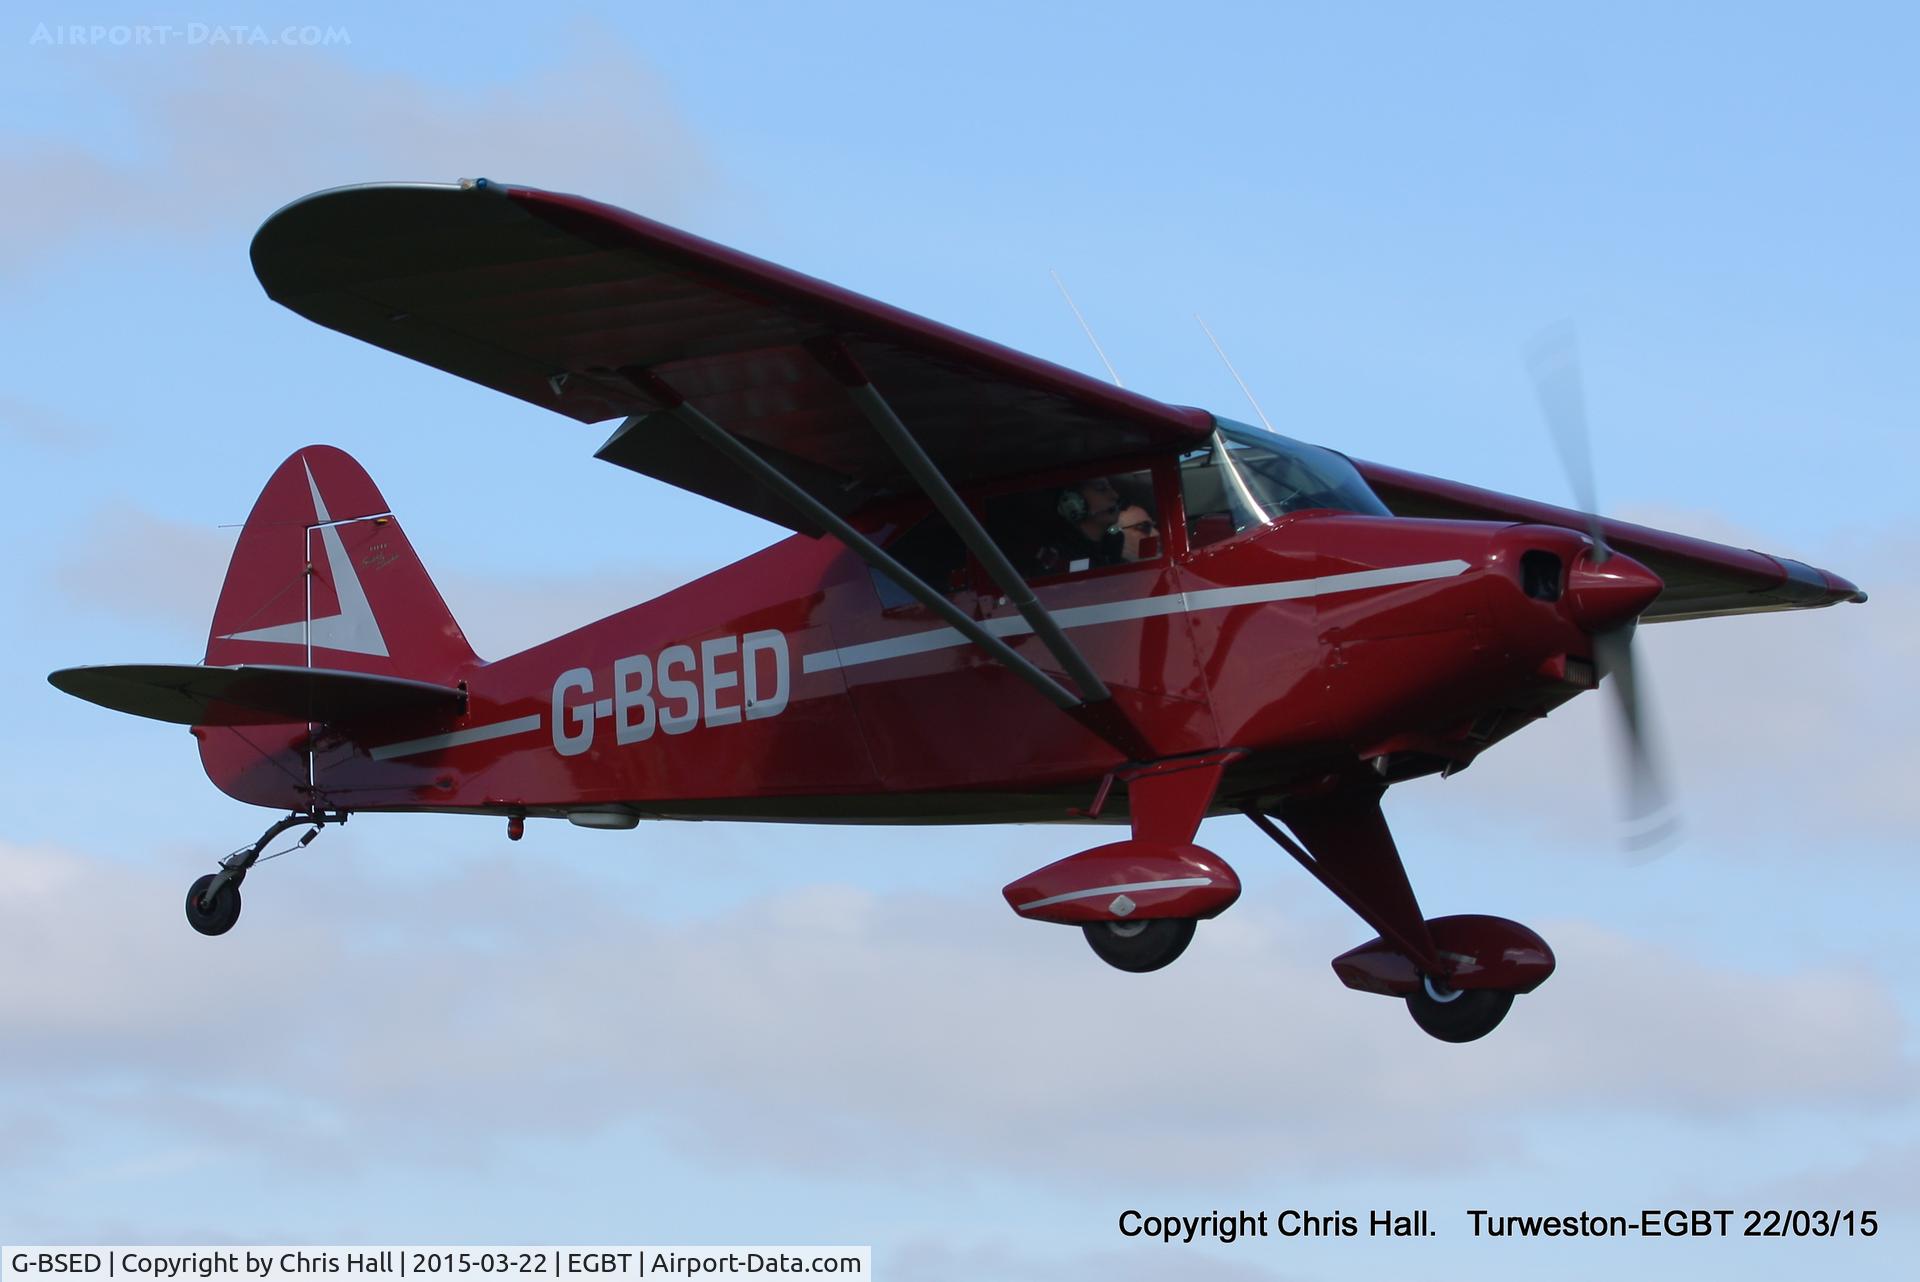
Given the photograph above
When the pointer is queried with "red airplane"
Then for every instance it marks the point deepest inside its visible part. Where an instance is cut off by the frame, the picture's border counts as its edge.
(1014, 594)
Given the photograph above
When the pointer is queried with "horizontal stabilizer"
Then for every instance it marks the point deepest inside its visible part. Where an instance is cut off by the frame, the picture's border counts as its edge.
(250, 694)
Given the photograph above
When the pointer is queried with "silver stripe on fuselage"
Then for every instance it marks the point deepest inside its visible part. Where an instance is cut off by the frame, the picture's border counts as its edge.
(1081, 616)
(475, 734)
(1129, 888)
(1139, 608)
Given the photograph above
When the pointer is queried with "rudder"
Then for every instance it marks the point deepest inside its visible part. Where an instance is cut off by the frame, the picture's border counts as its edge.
(323, 576)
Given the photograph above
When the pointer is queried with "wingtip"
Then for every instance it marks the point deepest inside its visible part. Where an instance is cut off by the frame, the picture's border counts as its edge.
(1840, 589)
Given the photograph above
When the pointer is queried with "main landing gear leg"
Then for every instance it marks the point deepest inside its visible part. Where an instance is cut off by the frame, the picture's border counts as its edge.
(213, 901)
(1138, 901)
(1457, 974)
(1350, 851)
(1168, 801)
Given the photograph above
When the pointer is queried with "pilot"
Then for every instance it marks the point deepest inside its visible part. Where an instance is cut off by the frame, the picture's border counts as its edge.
(1107, 529)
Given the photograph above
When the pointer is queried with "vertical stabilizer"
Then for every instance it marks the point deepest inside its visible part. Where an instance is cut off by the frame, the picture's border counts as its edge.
(324, 577)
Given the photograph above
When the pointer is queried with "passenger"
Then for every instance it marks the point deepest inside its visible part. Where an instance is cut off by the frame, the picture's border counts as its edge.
(1135, 525)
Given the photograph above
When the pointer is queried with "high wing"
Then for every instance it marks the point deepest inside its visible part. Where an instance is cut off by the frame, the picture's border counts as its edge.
(1703, 579)
(562, 301)
(596, 313)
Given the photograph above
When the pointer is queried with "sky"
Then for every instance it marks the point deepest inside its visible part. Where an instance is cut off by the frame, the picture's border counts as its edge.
(726, 1033)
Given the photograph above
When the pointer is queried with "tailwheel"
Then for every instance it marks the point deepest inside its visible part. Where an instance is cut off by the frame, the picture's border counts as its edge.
(215, 913)
(213, 902)
(1140, 946)
(1457, 1014)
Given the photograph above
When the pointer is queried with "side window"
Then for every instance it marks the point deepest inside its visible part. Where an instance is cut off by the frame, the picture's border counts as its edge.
(935, 555)
(1079, 526)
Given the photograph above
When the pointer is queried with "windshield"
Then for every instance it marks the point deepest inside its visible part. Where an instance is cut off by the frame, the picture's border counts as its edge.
(1248, 477)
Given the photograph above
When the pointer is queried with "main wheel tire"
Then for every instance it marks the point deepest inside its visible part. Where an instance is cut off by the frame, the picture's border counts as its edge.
(1458, 1014)
(1140, 946)
(218, 917)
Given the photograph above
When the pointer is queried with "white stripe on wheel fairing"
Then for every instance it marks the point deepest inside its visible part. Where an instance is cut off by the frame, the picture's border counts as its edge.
(1130, 888)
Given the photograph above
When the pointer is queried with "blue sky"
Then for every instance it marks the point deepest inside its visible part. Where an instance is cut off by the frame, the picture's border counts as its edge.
(728, 1033)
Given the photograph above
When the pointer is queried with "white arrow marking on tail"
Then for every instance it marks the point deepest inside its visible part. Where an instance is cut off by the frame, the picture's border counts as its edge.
(354, 629)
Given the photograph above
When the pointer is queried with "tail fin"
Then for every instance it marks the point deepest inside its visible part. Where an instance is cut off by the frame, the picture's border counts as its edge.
(324, 577)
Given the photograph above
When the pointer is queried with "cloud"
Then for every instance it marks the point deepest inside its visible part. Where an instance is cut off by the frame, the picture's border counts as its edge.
(138, 565)
(504, 614)
(31, 423)
(221, 138)
(24, 1137)
(73, 196)
(835, 1031)
(1886, 1178)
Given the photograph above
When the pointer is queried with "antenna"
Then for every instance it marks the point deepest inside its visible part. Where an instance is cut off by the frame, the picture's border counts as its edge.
(1111, 371)
(1264, 421)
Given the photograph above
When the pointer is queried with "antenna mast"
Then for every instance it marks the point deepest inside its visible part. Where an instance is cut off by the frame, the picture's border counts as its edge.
(1111, 371)
(1264, 422)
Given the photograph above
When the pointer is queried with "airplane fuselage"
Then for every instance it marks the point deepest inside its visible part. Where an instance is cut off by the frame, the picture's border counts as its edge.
(784, 687)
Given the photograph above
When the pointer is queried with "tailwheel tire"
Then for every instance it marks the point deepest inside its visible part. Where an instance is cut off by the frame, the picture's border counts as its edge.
(1457, 1014)
(1140, 946)
(218, 917)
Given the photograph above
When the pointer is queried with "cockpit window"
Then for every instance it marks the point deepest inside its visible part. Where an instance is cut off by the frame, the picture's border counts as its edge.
(1096, 521)
(1248, 477)
(932, 550)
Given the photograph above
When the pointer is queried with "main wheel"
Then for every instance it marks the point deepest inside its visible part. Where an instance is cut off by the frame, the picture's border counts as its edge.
(218, 917)
(1140, 946)
(1457, 1014)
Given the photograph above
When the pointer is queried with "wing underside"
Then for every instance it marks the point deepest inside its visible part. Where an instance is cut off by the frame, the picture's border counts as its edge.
(560, 301)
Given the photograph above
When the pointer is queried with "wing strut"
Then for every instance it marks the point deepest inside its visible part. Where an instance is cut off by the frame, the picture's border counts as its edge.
(867, 399)
(1115, 730)
(870, 552)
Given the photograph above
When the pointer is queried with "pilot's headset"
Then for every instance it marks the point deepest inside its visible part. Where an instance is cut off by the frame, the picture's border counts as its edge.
(1072, 503)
